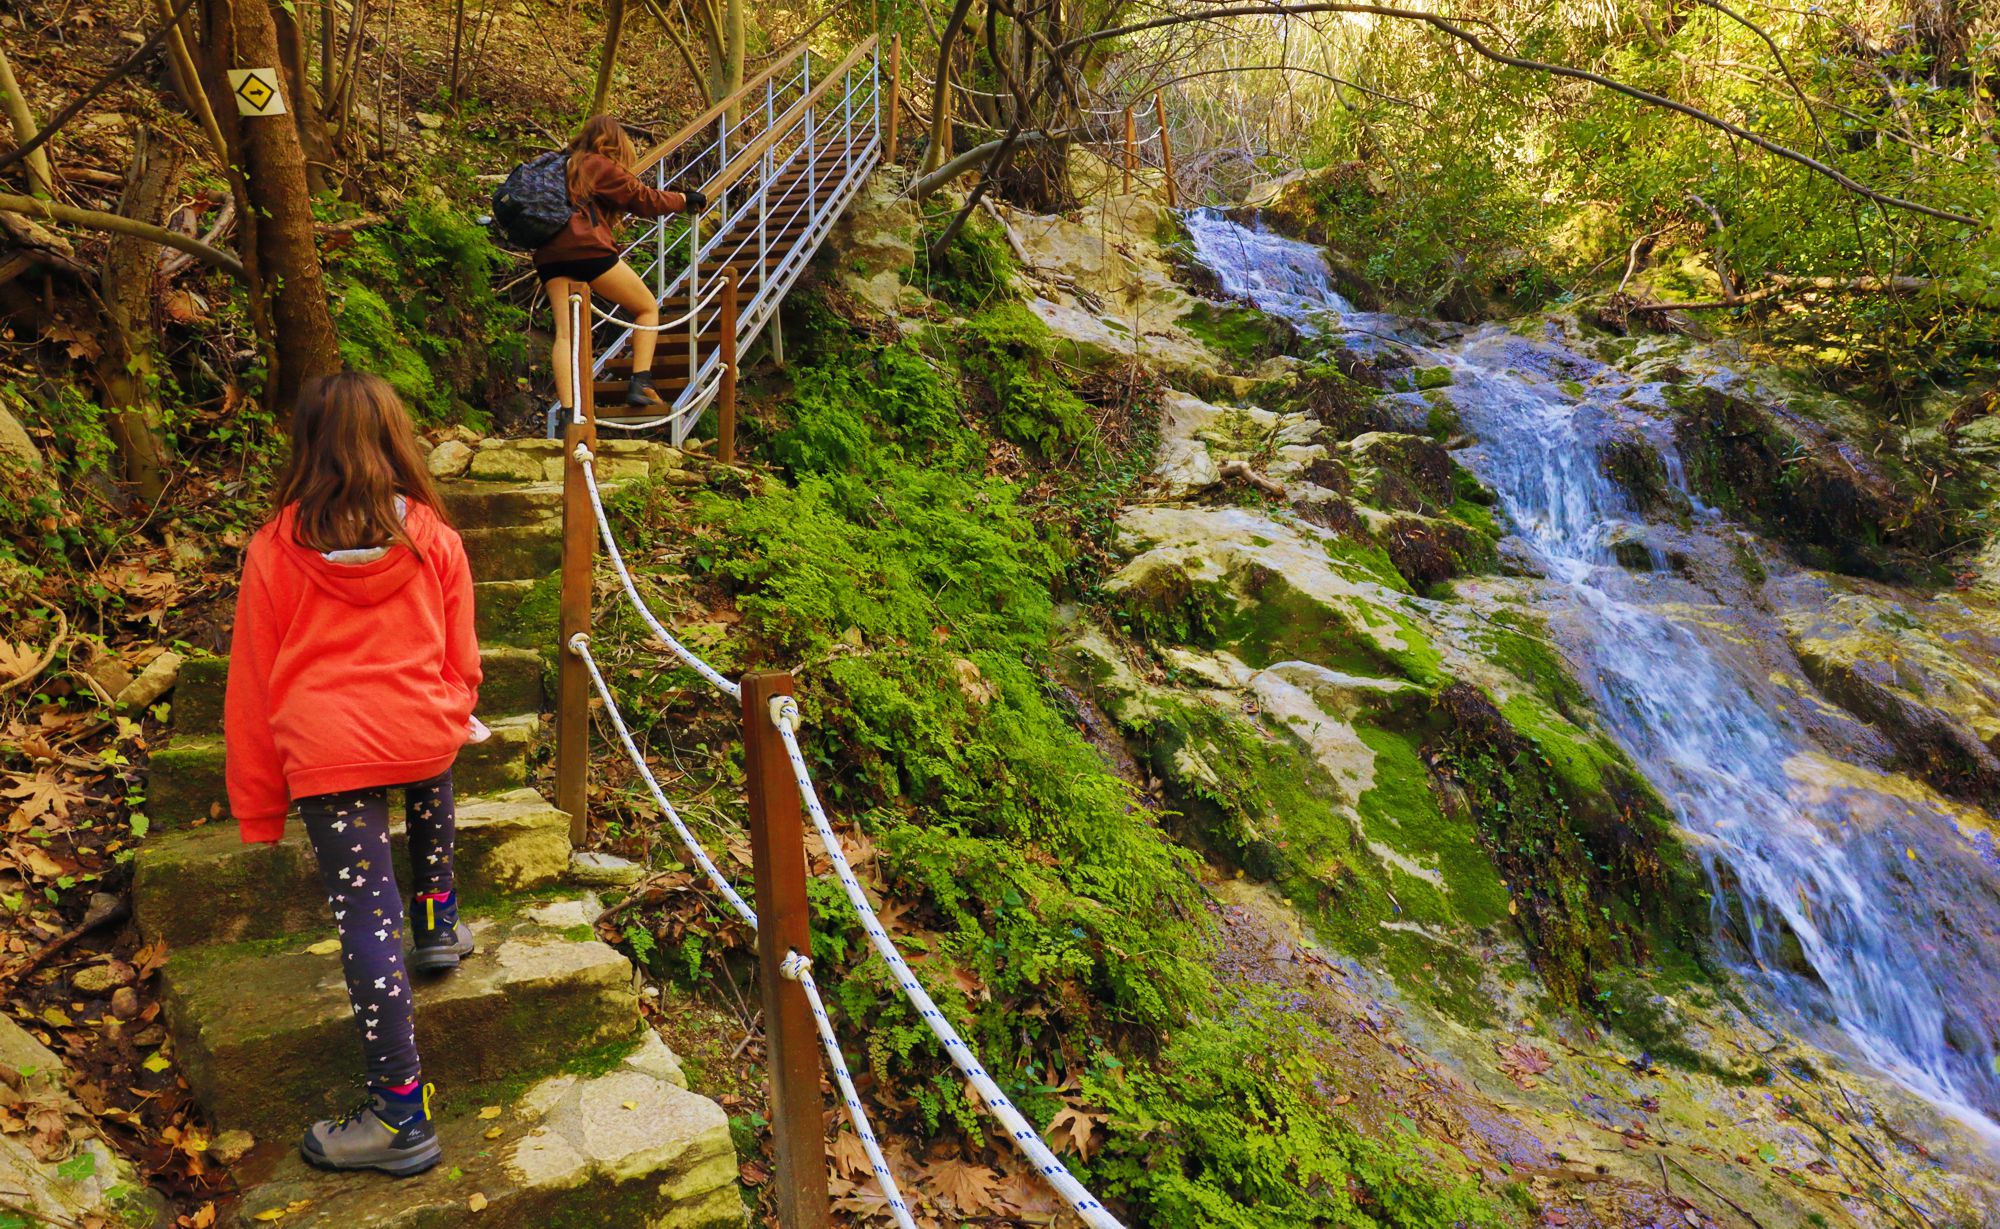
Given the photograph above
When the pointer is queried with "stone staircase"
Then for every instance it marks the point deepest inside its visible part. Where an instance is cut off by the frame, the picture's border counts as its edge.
(596, 1126)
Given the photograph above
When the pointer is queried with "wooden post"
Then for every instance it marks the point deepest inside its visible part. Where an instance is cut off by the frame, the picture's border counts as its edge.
(1166, 150)
(895, 97)
(725, 444)
(1131, 148)
(578, 558)
(778, 859)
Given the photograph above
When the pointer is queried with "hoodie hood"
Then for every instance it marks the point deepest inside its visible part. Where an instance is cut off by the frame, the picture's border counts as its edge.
(360, 584)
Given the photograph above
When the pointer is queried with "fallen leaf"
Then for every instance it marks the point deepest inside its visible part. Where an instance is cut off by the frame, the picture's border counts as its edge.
(157, 1062)
(971, 1188)
(269, 1214)
(631, 1105)
(491, 1111)
(495, 1132)
(325, 947)
(848, 1155)
(753, 1174)
(1072, 1130)
(476, 1201)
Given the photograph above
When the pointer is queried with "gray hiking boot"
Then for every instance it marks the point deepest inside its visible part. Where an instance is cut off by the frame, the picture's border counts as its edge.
(392, 1134)
(438, 940)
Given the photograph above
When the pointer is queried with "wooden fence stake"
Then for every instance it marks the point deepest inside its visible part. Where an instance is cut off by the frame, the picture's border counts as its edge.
(1166, 150)
(725, 445)
(1131, 149)
(778, 859)
(578, 559)
(895, 97)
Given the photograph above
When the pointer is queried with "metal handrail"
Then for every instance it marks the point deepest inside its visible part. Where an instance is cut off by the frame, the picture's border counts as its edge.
(816, 133)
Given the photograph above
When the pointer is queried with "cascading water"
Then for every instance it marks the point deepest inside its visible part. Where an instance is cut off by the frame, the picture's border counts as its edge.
(1815, 862)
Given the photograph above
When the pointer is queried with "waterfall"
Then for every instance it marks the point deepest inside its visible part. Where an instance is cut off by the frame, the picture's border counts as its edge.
(1816, 886)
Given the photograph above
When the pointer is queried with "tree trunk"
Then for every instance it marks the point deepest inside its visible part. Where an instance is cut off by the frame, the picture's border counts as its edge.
(314, 138)
(288, 290)
(128, 284)
(607, 59)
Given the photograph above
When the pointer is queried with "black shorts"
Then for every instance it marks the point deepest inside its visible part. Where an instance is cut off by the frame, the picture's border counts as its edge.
(576, 270)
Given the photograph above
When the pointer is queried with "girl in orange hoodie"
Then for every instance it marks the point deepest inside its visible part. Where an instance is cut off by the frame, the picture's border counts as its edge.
(354, 668)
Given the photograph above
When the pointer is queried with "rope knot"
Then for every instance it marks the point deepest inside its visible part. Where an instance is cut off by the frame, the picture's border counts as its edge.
(579, 644)
(795, 967)
(583, 454)
(785, 712)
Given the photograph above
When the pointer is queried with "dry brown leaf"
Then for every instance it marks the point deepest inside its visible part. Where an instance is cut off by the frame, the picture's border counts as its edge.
(476, 1202)
(1522, 1062)
(1073, 1130)
(848, 1156)
(971, 1188)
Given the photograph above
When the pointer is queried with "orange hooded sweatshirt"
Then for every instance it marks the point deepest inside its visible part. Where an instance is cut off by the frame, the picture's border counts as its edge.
(347, 671)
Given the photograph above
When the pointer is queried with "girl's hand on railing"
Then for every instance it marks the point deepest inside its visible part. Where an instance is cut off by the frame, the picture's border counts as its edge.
(696, 200)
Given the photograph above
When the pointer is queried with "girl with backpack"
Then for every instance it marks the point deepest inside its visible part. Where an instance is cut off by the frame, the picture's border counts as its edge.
(603, 191)
(353, 669)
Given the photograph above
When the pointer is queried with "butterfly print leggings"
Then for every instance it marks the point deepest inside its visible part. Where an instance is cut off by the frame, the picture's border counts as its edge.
(350, 838)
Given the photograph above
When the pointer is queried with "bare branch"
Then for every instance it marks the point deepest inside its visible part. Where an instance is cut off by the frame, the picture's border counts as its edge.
(111, 223)
(1559, 70)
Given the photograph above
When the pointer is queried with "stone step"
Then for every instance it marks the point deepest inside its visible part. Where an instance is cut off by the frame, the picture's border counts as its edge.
(491, 505)
(514, 552)
(625, 1149)
(185, 777)
(512, 684)
(537, 461)
(516, 612)
(266, 1040)
(204, 885)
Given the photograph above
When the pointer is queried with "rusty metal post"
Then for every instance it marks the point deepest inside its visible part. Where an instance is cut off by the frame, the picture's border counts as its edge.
(895, 97)
(778, 858)
(1131, 148)
(1166, 150)
(578, 560)
(725, 445)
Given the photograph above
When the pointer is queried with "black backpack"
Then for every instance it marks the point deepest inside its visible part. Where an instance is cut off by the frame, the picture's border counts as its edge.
(533, 206)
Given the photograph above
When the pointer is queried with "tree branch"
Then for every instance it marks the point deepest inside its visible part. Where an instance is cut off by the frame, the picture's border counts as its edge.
(1778, 284)
(970, 159)
(111, 223)
(41, 177)
(1559, 70)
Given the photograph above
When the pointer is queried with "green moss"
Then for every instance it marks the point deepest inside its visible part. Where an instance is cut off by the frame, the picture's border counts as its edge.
(1242, 335)
(975, 272)
(1009, 356)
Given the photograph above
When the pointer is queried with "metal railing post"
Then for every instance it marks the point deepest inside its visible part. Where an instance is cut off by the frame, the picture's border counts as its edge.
(778, 860)
(573, 610)
(694, 294)
(725, 413)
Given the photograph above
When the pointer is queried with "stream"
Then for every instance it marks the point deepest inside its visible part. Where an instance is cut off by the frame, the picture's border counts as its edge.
(1830, 876)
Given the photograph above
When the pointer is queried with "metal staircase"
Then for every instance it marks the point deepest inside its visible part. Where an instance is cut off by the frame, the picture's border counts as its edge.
(779, 160)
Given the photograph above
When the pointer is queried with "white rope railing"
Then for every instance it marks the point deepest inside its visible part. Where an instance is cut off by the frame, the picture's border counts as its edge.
(785, 716)
(687, 656)
(799, 969)
(675, 323)
(796, 967)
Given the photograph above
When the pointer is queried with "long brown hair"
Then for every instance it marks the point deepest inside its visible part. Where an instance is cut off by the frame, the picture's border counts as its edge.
(353, 453)
(603, 135)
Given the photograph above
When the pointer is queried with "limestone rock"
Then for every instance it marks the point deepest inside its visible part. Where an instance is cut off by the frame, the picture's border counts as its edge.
(874, 246)
(449, 459)
(591, 868)
(92, 1183)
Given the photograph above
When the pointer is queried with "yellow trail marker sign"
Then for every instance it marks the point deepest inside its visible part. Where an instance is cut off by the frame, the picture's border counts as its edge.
(256, 91)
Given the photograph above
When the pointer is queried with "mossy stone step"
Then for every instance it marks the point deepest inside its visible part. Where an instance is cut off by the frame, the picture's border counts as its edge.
(514, 552)
(489, 505)
(622, 1149)
(204, 885)
(530, 461)
(266, 1039)
(512, 685)
(185, 776)
(516, 612)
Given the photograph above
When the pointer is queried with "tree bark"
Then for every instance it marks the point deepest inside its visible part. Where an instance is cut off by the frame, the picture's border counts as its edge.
(273, 205)
(607, 59)
(188, 79)
(127, 283)
(41, 179)
(314, 138)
